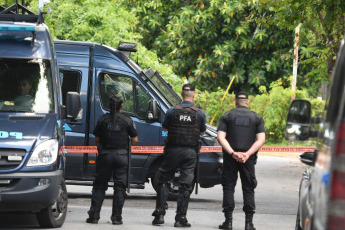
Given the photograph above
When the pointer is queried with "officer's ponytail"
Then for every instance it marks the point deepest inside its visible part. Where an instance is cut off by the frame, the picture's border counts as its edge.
(115, 103)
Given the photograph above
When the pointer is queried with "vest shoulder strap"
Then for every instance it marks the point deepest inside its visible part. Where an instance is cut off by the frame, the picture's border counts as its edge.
(178, 107)
(192, 107)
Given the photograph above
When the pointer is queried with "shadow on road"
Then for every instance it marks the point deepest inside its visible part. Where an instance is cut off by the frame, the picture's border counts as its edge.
(18, 221)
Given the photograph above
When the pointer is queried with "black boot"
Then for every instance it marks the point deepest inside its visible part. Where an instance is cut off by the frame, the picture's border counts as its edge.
(182, 205)
(159, 216)
(93, 216)
(227, 224)
(118, 202)
(249, 222)
(181, 222)
(162, 196)
(96, 204)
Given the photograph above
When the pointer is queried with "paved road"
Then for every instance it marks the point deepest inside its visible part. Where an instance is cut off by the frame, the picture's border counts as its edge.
(276, 196)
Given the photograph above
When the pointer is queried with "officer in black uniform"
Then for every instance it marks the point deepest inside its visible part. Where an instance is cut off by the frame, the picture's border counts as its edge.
(241, 133)
(112, 134)
(185, 124)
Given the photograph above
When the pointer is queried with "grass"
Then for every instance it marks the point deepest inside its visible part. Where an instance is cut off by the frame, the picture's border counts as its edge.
(289, 143)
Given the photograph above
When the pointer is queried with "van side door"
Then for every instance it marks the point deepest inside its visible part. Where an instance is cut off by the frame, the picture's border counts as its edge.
(75, 79)
(135, 104)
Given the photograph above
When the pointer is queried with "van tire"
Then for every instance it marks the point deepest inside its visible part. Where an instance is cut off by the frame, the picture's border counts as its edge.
(173, 185)
(54, 216)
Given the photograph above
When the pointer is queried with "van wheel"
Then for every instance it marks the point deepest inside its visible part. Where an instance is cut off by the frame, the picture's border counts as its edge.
(298, 220)
(173, 185)
(55, 215)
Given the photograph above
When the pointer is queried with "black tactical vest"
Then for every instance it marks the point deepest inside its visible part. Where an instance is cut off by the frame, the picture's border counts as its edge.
(115, 136)
(184, 128)
(242, 125)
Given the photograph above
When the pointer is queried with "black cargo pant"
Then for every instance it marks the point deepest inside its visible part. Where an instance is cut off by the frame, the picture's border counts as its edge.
(110, 162)
(248, 179)
(183, 158)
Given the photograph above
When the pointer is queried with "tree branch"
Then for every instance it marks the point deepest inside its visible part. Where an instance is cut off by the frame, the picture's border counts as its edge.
(322, 21)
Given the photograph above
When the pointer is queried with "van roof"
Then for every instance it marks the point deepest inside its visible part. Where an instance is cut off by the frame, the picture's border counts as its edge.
(25, 40)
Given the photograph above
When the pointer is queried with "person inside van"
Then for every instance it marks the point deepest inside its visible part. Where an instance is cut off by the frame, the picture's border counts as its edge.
(24, 99)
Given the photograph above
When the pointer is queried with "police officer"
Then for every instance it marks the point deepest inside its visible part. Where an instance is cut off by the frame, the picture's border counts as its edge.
(112, 136)
(185, 124)
(241, 133)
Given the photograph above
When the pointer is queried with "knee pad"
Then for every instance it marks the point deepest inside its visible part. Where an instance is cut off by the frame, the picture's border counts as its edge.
(185, 190)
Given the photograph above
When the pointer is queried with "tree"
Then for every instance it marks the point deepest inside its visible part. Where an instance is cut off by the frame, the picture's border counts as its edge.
(105, 22)
(209, 42)
(323, 27)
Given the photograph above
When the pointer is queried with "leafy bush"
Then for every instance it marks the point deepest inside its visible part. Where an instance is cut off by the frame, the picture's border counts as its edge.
(272, 106)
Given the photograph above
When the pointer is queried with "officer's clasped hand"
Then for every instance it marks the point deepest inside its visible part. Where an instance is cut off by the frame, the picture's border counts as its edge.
(240, 157)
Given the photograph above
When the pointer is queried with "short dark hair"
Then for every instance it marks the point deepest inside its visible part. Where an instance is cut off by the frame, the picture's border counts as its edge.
(242, 95)
(188, 87)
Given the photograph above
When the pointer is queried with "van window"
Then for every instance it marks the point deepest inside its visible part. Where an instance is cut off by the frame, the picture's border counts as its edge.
(26, 86)
(135, 99)
(142, 102)
(70, 82)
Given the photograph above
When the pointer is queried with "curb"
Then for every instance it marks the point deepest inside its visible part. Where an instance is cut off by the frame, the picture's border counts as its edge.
(280, 154)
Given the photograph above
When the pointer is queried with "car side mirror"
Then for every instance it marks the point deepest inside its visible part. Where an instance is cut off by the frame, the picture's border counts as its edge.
(308, 158)
(298, 121)
(153, 112)
(73, 107)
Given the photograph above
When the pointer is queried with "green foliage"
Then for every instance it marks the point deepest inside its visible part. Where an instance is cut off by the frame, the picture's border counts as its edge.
(211, 103)
(275, 112)
(317, 107)
(323, 27)
(8, 2)
(105, 22)
(209, 42)
(272, 106)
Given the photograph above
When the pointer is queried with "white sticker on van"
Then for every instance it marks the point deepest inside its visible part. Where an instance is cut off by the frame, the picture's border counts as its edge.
(16, 135)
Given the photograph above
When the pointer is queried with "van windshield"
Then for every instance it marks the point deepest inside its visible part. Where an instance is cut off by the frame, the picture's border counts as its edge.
(161, 88)
(26, 86)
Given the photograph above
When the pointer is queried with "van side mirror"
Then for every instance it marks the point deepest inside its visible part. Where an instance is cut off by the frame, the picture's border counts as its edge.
(298, 121)
(308, 158)
(153, 112)
(73, 107)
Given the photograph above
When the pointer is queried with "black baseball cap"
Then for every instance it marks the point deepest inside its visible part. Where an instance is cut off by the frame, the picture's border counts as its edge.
(188, 87)
(241, 95)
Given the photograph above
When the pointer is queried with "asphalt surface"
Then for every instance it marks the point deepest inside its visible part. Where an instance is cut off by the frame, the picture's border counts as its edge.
(276, 203)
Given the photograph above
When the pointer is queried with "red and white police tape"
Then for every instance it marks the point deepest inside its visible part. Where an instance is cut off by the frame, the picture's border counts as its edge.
(204, 149)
